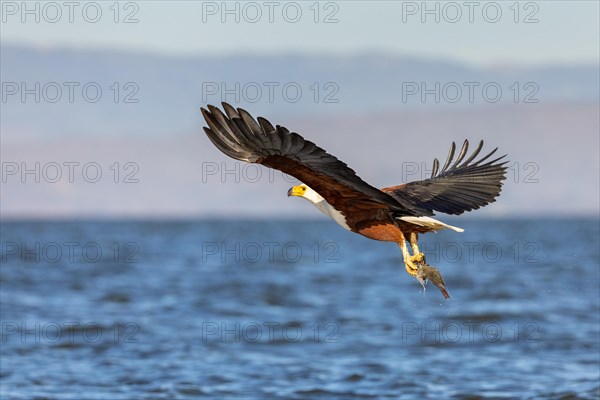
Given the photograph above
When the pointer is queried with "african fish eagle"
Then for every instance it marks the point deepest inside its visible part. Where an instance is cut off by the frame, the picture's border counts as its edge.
(393, 214)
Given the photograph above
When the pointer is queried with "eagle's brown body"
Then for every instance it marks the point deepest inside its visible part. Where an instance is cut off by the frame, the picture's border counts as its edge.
(386, 233)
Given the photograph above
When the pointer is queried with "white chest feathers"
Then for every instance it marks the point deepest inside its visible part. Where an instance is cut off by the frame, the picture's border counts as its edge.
(325, 207)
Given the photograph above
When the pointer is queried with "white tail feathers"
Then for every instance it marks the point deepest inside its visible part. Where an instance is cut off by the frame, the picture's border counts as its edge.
(430, 223)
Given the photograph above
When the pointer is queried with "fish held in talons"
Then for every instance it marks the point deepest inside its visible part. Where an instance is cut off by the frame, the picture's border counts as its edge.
(427, 272)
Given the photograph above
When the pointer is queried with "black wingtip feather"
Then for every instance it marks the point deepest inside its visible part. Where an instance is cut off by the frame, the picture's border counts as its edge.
(230, 110)
(449, 158)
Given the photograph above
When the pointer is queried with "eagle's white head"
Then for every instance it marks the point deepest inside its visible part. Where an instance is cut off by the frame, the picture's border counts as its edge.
(305, 192)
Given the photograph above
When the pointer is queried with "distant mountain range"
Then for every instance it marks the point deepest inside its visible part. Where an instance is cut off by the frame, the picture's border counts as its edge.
(169, 89)
(136, 116)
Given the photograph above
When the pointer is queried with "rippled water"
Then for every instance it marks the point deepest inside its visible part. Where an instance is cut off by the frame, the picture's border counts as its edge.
(297, 310)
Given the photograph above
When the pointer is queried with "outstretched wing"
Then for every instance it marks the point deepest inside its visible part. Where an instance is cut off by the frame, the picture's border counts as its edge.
(457, 188)
(237, 134)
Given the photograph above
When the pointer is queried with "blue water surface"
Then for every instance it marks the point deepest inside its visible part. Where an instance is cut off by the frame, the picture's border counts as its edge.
(297, 310)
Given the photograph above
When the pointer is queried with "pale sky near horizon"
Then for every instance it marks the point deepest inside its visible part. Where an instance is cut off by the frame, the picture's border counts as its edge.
(475, 32)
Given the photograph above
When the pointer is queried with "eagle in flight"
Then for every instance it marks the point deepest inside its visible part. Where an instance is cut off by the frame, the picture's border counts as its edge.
(394, 214)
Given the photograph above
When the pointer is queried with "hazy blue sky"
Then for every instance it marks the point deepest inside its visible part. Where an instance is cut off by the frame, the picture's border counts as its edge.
(478, 32)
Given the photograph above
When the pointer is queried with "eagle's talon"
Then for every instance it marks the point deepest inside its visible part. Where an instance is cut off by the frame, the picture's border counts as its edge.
(418, 258)
(411, 268)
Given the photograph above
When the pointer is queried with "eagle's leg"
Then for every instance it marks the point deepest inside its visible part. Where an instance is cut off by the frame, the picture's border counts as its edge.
(418, 257)
(410, 266)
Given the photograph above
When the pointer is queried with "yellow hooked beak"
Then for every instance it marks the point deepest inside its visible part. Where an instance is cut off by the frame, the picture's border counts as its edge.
(297, 191)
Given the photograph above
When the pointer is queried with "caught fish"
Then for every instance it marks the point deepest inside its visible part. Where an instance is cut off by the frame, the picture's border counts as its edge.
(427, 272)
